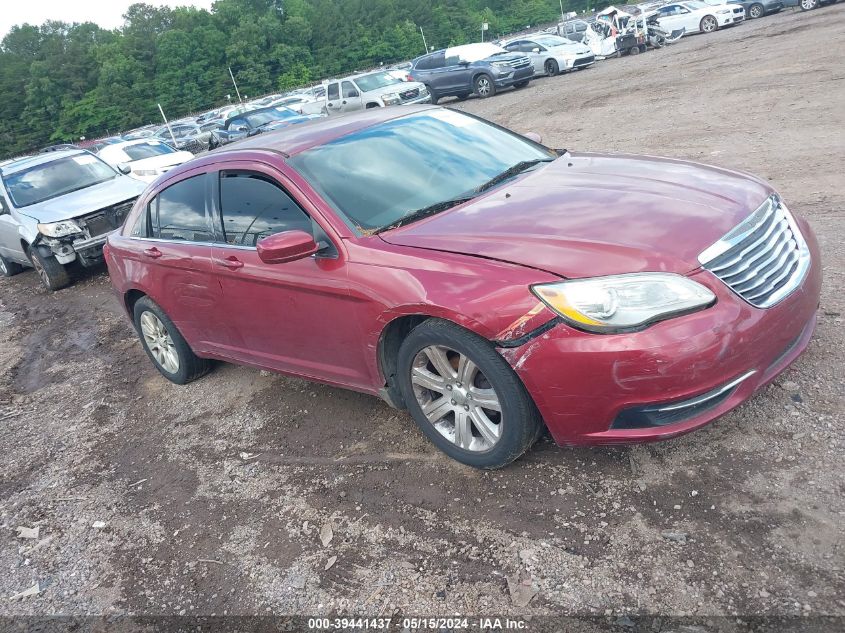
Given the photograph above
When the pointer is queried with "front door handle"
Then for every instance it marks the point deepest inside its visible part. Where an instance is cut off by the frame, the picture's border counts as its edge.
(231, 262)
(152, 252)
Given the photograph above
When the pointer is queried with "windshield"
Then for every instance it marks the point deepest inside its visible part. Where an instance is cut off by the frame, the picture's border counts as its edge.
(376, 81)
(257, 119)
(377, 176)
(56, 178)
(550, 41)
(147, 150)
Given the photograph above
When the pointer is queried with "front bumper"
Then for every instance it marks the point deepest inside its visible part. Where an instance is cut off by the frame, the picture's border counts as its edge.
(89, 251)
(519, 74)
(424, 99)
(589, 387)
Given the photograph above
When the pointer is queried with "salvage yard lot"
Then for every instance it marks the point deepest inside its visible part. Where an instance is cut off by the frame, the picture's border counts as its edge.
(213, 496)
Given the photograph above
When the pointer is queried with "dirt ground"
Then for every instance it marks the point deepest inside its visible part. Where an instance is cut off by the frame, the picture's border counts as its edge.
(210, 499)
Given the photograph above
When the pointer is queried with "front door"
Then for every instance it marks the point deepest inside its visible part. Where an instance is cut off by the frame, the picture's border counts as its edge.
(285, 316)
(350, 100)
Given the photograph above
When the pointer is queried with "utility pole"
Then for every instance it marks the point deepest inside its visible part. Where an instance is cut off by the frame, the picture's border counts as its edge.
(167, 123)
(561, 11)
(425, 44)
(235, 84)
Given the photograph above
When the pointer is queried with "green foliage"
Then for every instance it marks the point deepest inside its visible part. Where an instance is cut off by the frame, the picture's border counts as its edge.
(60, 81)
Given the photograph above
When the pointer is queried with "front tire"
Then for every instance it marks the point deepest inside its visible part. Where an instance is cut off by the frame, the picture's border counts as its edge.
(464, 396)
(708, 24)
(165, 345)
(552, 68)
(484, 86)
(9, 268)
(53, 275)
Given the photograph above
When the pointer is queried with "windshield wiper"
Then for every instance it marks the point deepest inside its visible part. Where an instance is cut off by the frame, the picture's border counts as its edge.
(515, 170)
(419, 214)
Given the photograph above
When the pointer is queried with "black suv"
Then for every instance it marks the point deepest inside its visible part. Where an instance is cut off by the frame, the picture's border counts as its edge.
(473, 68)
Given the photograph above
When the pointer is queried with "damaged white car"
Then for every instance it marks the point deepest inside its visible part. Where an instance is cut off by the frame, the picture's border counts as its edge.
(57, 208)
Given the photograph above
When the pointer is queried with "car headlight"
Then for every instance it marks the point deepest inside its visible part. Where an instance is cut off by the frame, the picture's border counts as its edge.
(59, 229)
(391, 99)
(620, 303)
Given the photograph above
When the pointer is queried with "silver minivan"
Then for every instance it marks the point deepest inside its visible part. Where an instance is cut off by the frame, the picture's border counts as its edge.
(57, 208)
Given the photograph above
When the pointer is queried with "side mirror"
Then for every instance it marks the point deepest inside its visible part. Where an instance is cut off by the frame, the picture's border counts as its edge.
(535, 50)
(239, 128)
(533, 136)
(286, 247)
(124, 169)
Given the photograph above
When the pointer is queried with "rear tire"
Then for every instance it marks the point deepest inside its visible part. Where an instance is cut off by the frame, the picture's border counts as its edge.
(9, 268)
(165, 345)
(434, 97)
(635, 50)
(473, 375)
(484, 86)
(756, 11)
(53, 275)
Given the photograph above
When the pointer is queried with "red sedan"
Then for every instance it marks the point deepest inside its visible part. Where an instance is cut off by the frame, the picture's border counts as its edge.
(488, 284)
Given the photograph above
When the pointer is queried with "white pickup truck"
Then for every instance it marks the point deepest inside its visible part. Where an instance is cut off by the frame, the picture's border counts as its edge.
(367, 90)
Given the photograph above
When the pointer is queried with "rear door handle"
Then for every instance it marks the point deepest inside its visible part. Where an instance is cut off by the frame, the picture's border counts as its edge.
(152, 252)
(231, 262)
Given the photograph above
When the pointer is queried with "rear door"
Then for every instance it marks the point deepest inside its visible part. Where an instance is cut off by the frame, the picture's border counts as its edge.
(295, 317)
(168, 256)
(333, 105)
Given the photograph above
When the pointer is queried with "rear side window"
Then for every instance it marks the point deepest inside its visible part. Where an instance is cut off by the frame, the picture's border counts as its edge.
(254, 206)
(436, 60)
(334, 91)
(179, 212)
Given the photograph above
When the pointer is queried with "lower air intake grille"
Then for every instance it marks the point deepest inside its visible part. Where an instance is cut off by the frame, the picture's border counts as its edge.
(764, 258)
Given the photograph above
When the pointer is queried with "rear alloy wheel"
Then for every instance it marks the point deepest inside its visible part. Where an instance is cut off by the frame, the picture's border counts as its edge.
(708, 24)
(53, 275)
(464, 396)
(8, 269)
(755, 11)
(484, 86)
(165, 346)
(809, 5)
(433, 95)
(552, 67)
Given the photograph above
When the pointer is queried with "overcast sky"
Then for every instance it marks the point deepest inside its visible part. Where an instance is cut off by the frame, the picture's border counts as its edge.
(106, 13)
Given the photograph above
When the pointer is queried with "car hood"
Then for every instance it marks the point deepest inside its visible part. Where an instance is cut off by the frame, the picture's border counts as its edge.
(573, 50)
(84, 201)
(403, 86)
(586, 215)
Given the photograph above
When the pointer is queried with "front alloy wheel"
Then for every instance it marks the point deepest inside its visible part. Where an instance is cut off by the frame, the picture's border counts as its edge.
(464, 396)
(456, 398)
(484, 87)
(709, 24)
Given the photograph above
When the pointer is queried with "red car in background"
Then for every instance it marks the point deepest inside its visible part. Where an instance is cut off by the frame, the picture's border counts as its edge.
(488, 284)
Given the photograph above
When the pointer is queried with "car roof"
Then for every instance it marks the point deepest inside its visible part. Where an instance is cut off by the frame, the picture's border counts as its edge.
(22, 164)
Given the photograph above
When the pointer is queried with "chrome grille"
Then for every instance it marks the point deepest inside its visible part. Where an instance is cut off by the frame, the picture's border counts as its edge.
(519, 62)
(764, 258)
(410, 94)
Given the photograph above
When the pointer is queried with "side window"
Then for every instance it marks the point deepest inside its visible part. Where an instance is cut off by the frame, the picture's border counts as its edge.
(254, 206)
(438, 60)
(235, 123)
(349, 90)
(4, 208)
(513, 47)
(180, 213)
(334, 92)
(142, 224)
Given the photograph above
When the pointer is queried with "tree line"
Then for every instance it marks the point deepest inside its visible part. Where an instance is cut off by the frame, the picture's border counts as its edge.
(60, 82)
